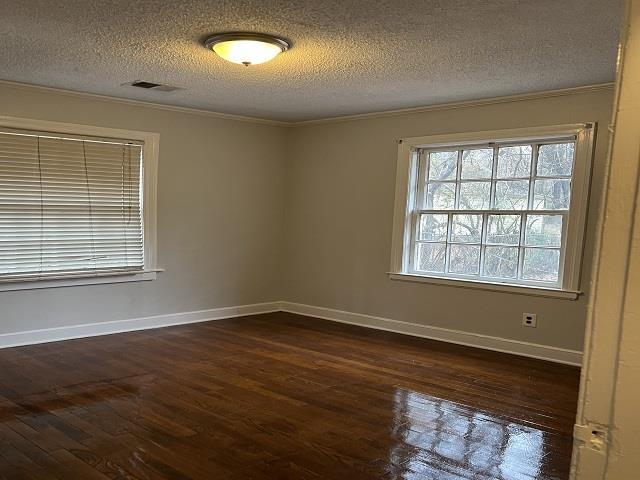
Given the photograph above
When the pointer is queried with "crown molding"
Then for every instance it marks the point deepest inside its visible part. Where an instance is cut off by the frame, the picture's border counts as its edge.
(462, 104)
(142, 103)
(344, 118)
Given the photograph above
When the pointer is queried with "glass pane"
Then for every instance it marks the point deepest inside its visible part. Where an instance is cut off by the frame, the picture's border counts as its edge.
(443, 165)
(474, 195)
(544, 230)
(555, 160)
(441, 196)
(430, 257)
(541, 264)
(514, 161)
(433, 227)
(504, 229)
(465, 259)
(512, 194)
(551, 194)
(466, 228)
(501, 262)
(477, 163)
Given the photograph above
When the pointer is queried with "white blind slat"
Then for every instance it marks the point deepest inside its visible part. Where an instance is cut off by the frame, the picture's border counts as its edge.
(69, 206)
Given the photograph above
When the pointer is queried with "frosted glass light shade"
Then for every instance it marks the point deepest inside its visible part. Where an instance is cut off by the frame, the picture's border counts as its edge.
(246, 48)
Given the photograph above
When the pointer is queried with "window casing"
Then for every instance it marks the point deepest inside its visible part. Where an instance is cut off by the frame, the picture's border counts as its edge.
(494, 208)
(77, 204)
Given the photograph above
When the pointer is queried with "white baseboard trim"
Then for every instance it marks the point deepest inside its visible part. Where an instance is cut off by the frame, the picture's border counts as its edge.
(45, 335)
(543, 352)
(525, 349)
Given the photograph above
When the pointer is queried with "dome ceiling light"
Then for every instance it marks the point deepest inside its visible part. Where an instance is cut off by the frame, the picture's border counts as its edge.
(246, 48)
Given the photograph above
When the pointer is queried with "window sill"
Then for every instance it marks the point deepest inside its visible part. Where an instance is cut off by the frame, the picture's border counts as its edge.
(496, 287)
(80, 281)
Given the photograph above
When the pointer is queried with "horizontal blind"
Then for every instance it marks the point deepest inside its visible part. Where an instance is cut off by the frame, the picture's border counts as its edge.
(69, 206)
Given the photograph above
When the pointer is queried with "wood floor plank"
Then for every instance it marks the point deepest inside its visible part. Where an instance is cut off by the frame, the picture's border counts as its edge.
(279, 396)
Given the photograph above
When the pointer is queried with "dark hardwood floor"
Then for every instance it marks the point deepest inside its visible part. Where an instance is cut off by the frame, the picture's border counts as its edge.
(279, 396)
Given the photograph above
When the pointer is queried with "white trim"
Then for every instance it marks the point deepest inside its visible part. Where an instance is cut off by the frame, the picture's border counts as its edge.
(505, 345)
(344, 118)
(69, 281)
(45, 335)
(77, 129)
(407, 183)
(150, 155)
(561, 92)
(493, 286)
(543, 352)
(143, 103)
(406, 175)
(508, 135)
(579, 206)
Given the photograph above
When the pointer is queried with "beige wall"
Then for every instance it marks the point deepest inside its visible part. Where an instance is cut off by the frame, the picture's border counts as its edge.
(220, 215)
(251, 213)
(340, 192)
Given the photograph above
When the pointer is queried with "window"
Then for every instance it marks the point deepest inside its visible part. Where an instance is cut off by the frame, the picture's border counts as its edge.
(501, 208)
(76, 202)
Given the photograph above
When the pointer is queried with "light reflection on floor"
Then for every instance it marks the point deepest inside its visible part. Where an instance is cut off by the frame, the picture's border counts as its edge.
(443, 440)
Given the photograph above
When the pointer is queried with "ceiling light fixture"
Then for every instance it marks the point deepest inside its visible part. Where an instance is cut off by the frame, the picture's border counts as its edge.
(246, 48)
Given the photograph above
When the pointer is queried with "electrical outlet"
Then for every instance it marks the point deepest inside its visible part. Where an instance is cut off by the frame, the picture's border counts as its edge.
(529, 320)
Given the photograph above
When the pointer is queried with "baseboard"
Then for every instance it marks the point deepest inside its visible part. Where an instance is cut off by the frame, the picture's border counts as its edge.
(533, 350)
(119, 326)
(543, 352)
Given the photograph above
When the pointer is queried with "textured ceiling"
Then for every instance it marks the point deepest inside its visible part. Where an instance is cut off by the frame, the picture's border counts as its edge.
(348, 56)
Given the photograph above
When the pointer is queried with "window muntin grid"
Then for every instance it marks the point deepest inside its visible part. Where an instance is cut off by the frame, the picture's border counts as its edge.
(527, 198)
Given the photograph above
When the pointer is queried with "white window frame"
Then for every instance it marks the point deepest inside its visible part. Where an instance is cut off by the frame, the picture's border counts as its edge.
(407, 175)
(149, 216)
